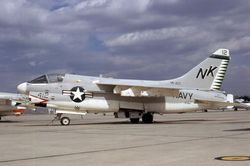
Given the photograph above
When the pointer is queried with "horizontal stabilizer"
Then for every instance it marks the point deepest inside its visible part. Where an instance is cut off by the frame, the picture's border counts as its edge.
(219, 104)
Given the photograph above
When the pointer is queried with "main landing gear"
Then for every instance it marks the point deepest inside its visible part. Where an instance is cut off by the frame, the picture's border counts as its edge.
(134, 120)
(146, 118)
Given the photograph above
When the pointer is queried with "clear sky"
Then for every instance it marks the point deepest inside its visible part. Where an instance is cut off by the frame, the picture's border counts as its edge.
(137, 39)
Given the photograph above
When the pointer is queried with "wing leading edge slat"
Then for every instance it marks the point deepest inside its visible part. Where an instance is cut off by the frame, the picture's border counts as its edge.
(140, 89)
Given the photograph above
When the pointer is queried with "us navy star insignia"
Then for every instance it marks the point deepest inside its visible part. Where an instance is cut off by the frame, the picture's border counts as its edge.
(77, 94)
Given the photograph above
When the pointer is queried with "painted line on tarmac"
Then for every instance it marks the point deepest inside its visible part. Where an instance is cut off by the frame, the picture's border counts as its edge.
(233, 158)
(96, 151)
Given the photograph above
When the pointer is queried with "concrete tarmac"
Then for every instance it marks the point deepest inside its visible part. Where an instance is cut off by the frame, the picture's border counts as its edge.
(192, 139)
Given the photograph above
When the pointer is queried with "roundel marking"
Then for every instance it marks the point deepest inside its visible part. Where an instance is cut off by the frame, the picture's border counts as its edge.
(77, 94)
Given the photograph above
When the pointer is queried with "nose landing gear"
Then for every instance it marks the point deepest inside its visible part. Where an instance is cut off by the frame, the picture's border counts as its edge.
(65, 121)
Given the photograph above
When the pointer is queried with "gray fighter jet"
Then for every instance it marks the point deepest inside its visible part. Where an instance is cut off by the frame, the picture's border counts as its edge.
(198, 89)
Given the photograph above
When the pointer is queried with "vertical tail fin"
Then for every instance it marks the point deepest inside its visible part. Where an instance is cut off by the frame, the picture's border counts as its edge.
(209, 74)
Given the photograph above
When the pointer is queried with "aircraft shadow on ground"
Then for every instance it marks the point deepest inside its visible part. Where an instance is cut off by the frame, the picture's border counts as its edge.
(9, 121)
(126, 122)
(193, 121)
(190, 121)
(243, 129)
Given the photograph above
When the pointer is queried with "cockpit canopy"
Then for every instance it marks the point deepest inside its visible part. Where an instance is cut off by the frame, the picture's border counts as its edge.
(48, 78)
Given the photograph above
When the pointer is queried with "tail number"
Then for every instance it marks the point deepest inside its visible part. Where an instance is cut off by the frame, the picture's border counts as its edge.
(207, 72)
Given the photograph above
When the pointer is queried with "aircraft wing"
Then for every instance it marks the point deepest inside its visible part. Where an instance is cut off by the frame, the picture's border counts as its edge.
(220, 104)
(138, 89)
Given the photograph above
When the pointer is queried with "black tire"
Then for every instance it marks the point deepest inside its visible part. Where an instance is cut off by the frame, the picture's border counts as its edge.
(65, 121)
(134, 120)
(147, 118)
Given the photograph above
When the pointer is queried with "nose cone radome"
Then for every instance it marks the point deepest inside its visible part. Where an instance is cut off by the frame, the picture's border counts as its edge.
(22, 88)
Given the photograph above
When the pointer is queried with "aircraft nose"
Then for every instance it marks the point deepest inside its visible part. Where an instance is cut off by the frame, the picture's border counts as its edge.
(22, 88)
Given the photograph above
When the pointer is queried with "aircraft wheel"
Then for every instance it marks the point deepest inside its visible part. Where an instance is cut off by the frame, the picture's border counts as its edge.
(134, 120)
(65, 121)
(147, 118)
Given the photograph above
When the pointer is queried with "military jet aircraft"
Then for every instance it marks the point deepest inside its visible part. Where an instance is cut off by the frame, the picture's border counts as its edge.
(198, 89)
(242, 101)
(12, 104)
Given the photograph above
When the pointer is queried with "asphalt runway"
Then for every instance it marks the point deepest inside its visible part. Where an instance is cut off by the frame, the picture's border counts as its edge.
(173, 140)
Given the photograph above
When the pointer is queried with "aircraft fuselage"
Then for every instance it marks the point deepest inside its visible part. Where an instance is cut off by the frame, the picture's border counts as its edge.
(93, 98)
